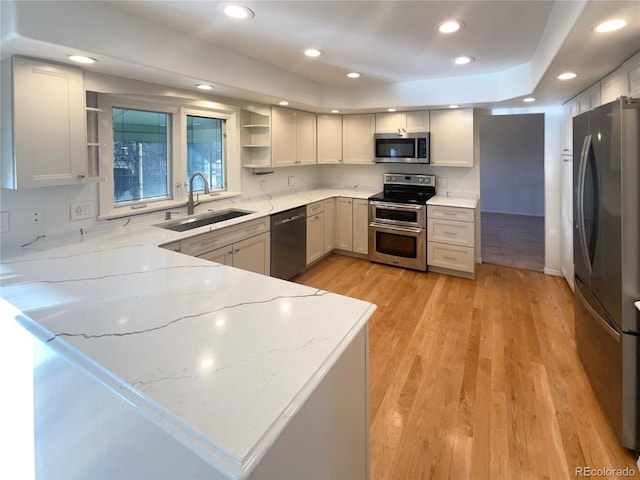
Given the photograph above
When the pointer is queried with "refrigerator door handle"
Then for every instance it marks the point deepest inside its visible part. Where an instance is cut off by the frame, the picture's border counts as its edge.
(612, 331)
(582, 174)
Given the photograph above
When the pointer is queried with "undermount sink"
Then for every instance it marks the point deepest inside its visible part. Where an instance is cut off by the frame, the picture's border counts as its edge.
(195, 221)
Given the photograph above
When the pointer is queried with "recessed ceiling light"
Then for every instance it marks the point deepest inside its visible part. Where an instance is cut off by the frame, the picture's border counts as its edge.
(313, 52)
(82, 59)
(284, 103)
(610, 25)
(391, 109)
(204, 86)
(567, 76)
(335, 111)
(238, 12)
(454, 106)
(463, 60)
(353, 75)
(450, 26)
(529, 99)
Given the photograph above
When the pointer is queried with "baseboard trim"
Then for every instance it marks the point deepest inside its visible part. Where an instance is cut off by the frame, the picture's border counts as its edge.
(552, 271)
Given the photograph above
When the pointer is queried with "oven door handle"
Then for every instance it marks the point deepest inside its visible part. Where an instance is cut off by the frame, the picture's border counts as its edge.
(393, 206)
(380, 226)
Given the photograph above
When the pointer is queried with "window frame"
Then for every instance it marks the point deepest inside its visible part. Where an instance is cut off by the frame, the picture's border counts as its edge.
(177, 110)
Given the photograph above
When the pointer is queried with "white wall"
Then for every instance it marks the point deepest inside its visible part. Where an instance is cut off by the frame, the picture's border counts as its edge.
(512, 157)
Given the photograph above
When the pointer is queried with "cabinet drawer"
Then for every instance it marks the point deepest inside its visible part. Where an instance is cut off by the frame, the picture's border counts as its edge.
(315, 207)
(450, 231)
(450, 213)
(209, 241)
(450, 256)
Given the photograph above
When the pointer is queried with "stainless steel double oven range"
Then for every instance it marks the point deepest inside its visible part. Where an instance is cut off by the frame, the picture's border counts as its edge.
(398, 221)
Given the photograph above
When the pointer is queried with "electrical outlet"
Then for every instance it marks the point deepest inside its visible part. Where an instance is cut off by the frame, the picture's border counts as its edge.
(339, 178)
(263, 184)
(5, 222)
(443, 183)
(292, 181)
(37, 217)
(82, 210)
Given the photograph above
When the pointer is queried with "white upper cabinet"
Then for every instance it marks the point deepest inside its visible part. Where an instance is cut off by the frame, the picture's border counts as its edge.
(357, 138)
(293, 137)
(453, 139)
(588, 99)
(44, 122)
(402, 122)
(329, 138)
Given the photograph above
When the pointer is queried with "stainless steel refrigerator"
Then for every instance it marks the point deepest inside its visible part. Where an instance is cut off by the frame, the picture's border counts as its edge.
(606, 243)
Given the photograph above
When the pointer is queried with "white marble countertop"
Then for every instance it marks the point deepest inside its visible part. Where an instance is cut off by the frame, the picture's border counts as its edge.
(220, 357)
(637, 304)
(453, 201)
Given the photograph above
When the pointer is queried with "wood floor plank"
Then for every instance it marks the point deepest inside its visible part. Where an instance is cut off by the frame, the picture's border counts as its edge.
(475, 379)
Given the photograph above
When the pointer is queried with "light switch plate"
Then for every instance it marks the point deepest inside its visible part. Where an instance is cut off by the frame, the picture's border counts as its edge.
(292, 181)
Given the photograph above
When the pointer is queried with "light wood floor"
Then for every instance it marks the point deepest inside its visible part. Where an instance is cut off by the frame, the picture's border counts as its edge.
(513, 240)
(475, 379)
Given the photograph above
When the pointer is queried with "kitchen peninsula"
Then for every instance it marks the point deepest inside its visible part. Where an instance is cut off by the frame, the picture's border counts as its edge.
(163, 365)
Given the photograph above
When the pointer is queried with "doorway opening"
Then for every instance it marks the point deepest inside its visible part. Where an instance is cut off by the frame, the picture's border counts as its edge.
(512, 190)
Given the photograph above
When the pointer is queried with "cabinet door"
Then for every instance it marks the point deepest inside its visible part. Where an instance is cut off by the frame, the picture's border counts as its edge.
(329, 139)
(344, 224)
(614, 86)
(417, 121)
(357, 138)
(49, 125)
(452, 138)
(222, 255)
(389, 122)
(329, 224)
(315, 237)
(360, 226)
(253, 254)
(305, 138)
(283, 137)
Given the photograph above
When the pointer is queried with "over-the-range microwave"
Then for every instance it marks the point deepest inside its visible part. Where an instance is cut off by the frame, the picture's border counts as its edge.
(401, 147)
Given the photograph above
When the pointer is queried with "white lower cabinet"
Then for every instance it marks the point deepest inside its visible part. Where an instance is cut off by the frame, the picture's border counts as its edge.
(329, 207)
(252, 254)
(344, 224)
(451, 240)
(246, 245)
(360, 226)
(315, 231)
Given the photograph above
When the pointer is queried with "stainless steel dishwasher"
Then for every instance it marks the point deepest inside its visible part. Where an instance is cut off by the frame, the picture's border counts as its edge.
(288, 243)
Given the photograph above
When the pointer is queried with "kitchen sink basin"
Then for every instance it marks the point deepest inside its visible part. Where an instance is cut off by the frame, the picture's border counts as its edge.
(195, 221)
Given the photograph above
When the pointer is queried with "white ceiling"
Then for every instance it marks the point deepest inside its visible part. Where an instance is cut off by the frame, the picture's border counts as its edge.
(519, 46)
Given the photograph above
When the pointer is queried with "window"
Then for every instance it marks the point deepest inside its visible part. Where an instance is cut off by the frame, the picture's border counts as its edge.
(151, 146)
(140, 155)
(206, 151)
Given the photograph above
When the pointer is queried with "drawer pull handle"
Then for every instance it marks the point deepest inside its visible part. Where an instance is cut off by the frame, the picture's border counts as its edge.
(449, 257)
(450, 233)
(252, 228)
(209, 242)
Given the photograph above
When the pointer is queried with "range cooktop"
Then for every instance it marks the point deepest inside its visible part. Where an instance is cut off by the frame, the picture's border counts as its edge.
(402, 188)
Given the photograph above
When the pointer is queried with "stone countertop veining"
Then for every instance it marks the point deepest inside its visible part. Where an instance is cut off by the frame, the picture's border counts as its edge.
(221, 358)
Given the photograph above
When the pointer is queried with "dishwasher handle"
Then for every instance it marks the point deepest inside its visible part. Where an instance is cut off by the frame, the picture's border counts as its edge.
(289, 219)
